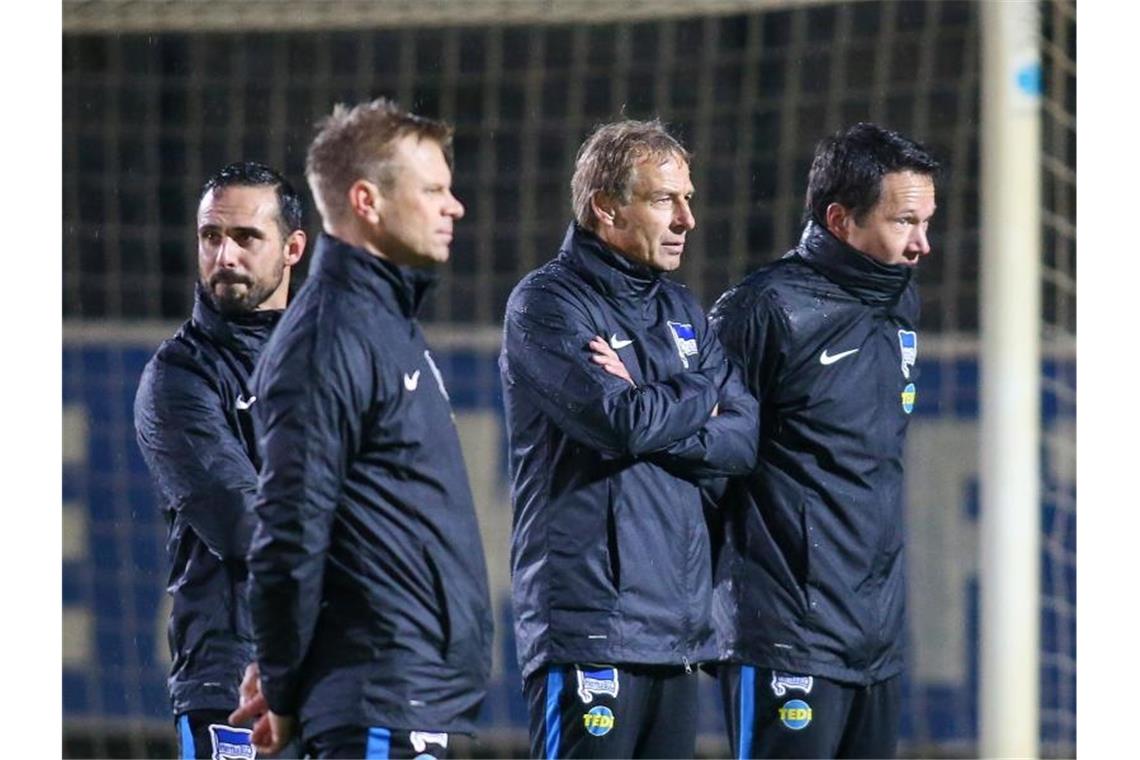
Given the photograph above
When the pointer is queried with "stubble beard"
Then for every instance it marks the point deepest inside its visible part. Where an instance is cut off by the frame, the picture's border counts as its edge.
(232, 300)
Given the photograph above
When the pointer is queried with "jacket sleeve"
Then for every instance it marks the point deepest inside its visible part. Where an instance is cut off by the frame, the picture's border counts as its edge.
(727, 443)
(311, 402)
(546, 354)
(199, 465)
(753, 331)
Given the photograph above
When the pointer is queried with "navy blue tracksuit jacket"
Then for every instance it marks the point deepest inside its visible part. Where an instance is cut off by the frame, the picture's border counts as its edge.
(195, 433)
(610, 553)
(810, 579)
(369, 589)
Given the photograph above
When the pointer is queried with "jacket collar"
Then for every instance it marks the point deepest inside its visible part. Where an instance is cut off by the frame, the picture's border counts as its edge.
(853, 270)
(401, 289)
(244, 332)
(611, 273)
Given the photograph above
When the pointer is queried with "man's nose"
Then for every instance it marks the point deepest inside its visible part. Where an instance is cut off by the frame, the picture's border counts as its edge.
(684, 216)
(455, 209)
(919, 241)
(228, 252)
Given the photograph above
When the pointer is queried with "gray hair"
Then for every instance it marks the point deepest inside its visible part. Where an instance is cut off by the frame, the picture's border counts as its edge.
(358, 142)
(608, 159)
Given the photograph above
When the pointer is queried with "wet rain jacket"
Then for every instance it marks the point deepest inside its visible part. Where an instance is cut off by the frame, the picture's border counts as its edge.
(369, 589)
(193, 428)
(811, 579)
(610, 551)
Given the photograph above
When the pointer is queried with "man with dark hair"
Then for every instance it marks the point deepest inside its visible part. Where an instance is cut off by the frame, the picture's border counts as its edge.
(192, 420)
(810, 585)
(619, 401)
(369, 595)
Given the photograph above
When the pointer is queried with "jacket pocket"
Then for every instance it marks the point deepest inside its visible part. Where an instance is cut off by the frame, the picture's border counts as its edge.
(464, 637)
(439, 593)
(806, 572)
(613, 553)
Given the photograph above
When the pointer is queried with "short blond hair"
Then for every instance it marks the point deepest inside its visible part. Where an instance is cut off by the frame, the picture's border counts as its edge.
(608, 158)
(358, 142)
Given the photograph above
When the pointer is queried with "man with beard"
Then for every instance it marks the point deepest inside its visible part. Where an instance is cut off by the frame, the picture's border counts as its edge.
(193, 426)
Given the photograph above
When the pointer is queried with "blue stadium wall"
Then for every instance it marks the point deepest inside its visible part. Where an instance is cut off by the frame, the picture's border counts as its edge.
(114, 573)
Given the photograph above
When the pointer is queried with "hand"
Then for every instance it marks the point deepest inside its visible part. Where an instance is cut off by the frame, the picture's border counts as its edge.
(252, 705)
(272, 732)
(609, 360)
(250, 688)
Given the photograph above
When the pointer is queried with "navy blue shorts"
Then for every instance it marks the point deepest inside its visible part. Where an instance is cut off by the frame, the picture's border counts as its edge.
(774, 714)
(208, 734)
(603, 711)
(377, 743)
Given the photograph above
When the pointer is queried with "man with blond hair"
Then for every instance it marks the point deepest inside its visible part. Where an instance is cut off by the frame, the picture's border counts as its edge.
(620, 403)
(369, 594)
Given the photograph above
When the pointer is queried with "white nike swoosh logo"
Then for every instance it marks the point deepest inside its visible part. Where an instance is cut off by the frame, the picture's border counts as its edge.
(824, 359)
(616, 344)
(241, 404)
(412, 381)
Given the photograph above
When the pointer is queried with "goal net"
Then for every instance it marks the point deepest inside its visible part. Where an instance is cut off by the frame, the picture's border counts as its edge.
(155, 99)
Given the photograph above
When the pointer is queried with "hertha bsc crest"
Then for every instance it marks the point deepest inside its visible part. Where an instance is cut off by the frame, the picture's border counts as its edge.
(600, 681)
(686, 339)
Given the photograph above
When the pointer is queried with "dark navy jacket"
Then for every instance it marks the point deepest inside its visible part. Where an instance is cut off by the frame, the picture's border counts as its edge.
(610, 553)
(369, 588)
(196, 436)
(811, 579)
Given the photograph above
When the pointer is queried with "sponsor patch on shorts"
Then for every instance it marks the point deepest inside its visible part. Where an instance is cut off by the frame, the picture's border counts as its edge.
(908, 396)
(420, 740)
(599, 720)
(231, 743)
(795, 714)
(781, 682)
(599, 681)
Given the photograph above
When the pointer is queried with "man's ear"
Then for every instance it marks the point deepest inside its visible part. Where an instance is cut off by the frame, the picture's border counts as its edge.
(295, 247)
(365, 201)
(604, 208)
(839, 220)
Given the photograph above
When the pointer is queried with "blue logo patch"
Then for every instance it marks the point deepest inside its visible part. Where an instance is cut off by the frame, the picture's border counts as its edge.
(908, 396)
(599, 721)
(781, 682)
(686, 340)
(231, 743)
(795, 714)
(600, 681)
(908, 346)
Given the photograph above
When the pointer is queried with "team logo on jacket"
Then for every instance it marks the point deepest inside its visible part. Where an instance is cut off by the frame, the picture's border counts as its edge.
(795, 714)
(781, 682)
(438, 376)
(908, 396)
(599, 721)
(231, 743)
(908, 345)
(600, 681)
(686, 340)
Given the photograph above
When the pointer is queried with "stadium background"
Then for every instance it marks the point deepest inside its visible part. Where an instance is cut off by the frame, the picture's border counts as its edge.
(158, 95)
